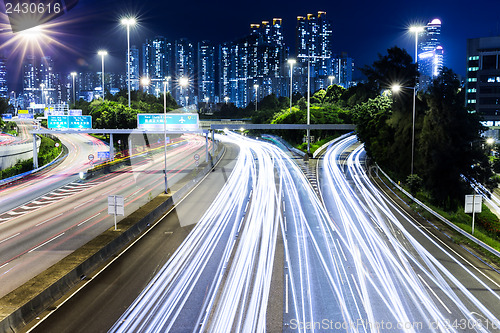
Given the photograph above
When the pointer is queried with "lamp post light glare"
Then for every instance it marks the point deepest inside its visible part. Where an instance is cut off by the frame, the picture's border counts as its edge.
(102, 53)
(128, 22)
(183, 83)
(42, 85)
(291, 62)
(226, 99)
(145, 81)
(73, 74)
(331, 79)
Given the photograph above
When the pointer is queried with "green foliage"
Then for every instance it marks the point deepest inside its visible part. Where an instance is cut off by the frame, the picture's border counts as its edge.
(489, 222)
(414, 182)
(10, 127)
(4, 107)
(447, 137)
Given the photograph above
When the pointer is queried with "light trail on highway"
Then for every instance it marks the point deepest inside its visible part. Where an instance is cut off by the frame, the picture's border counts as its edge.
(38, 233)
(400, 280)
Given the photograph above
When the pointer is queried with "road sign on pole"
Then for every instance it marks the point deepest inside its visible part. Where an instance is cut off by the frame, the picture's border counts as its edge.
(175, 121)
(116, 206)
(473, 204)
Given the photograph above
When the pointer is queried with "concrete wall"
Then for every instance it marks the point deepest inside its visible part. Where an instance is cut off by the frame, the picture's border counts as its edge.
(10, 154)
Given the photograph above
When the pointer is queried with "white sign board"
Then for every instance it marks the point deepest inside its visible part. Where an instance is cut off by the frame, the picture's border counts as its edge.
(116, 205)
(473, 203)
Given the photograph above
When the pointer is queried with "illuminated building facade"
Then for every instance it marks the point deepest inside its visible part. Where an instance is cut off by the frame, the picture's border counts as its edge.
(4, 90)
(134, 68)
(156, 62)
(430, 53)
(206, 72)
(313, 44)
(184, 68)
(483, 78)
(256, 59)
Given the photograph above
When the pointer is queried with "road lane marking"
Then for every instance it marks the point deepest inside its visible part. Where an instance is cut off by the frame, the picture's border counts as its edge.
(4, 265)
(435, 295)
(90, 218)
(83, 203)
(286, 294)
(47, 220)
(50, 240)
(6, 239)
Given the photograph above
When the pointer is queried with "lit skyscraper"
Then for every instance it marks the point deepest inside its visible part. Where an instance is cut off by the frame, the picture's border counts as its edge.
(134, 67)
(206, 72)
(430, 53)
(343, 67)
(313, 44)
(4, 90)
(156, 61)
(31, 83)
(258, 58)
(47, 77)
(184, 69)
(483, 78)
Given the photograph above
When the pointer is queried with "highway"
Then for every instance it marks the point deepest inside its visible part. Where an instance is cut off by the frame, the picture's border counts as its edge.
(42, 231)
(106, 295)
(404, 274)
(80, 146)
(265, 245)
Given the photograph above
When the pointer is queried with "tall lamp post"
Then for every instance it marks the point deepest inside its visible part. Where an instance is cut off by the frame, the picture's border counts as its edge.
(416, 31)
(102, 53)
(309, 97)
(73, 74)
(145, 81)
(130, 21)
(165, 83)
(256, 87)
(291, 62)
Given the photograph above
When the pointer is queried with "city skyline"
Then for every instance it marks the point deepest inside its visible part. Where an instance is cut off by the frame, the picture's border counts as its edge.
(90, 31)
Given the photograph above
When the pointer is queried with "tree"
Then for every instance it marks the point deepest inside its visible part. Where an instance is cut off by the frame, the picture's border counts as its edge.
(396, 67)
(449, 144)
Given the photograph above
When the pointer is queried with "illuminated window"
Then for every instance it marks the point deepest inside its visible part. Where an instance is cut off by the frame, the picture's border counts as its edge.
(471, 101)
(473, 90)
(472, 79)
(473, 69)
(474, 58)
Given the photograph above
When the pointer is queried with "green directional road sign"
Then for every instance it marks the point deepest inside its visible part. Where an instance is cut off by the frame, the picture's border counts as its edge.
(58, 122)
(80, 122)
(175, 121)
(69, 122)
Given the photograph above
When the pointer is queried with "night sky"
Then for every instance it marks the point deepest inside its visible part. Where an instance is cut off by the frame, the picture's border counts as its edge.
(361, 28)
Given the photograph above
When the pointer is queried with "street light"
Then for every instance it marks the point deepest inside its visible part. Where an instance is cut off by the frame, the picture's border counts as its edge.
(309, 97)
(256, 87)
(226, 99)
(165, 83)
(129, 21)
(73, 74)
(331, 79)
(102, 53)
(416, 30)
(291, 62)
(395, 89)
(184, 82)
(145, 81)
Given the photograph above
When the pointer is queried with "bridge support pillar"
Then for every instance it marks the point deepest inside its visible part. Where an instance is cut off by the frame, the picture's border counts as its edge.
(35, 153)
(111, 148)
(206, 148)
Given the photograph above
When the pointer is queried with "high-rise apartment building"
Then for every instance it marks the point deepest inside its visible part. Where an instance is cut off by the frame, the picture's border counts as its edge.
(48, 81)
(134, 68)
(257, 60)
(183, 85)
(314, 48)
(156, 61)
(430, 53)
(4, 90)
(483, 78)
(206, 72)
(31, 82)
(343, 67)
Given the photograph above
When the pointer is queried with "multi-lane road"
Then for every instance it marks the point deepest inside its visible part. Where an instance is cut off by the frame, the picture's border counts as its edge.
(268, 253)
(49, 217)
